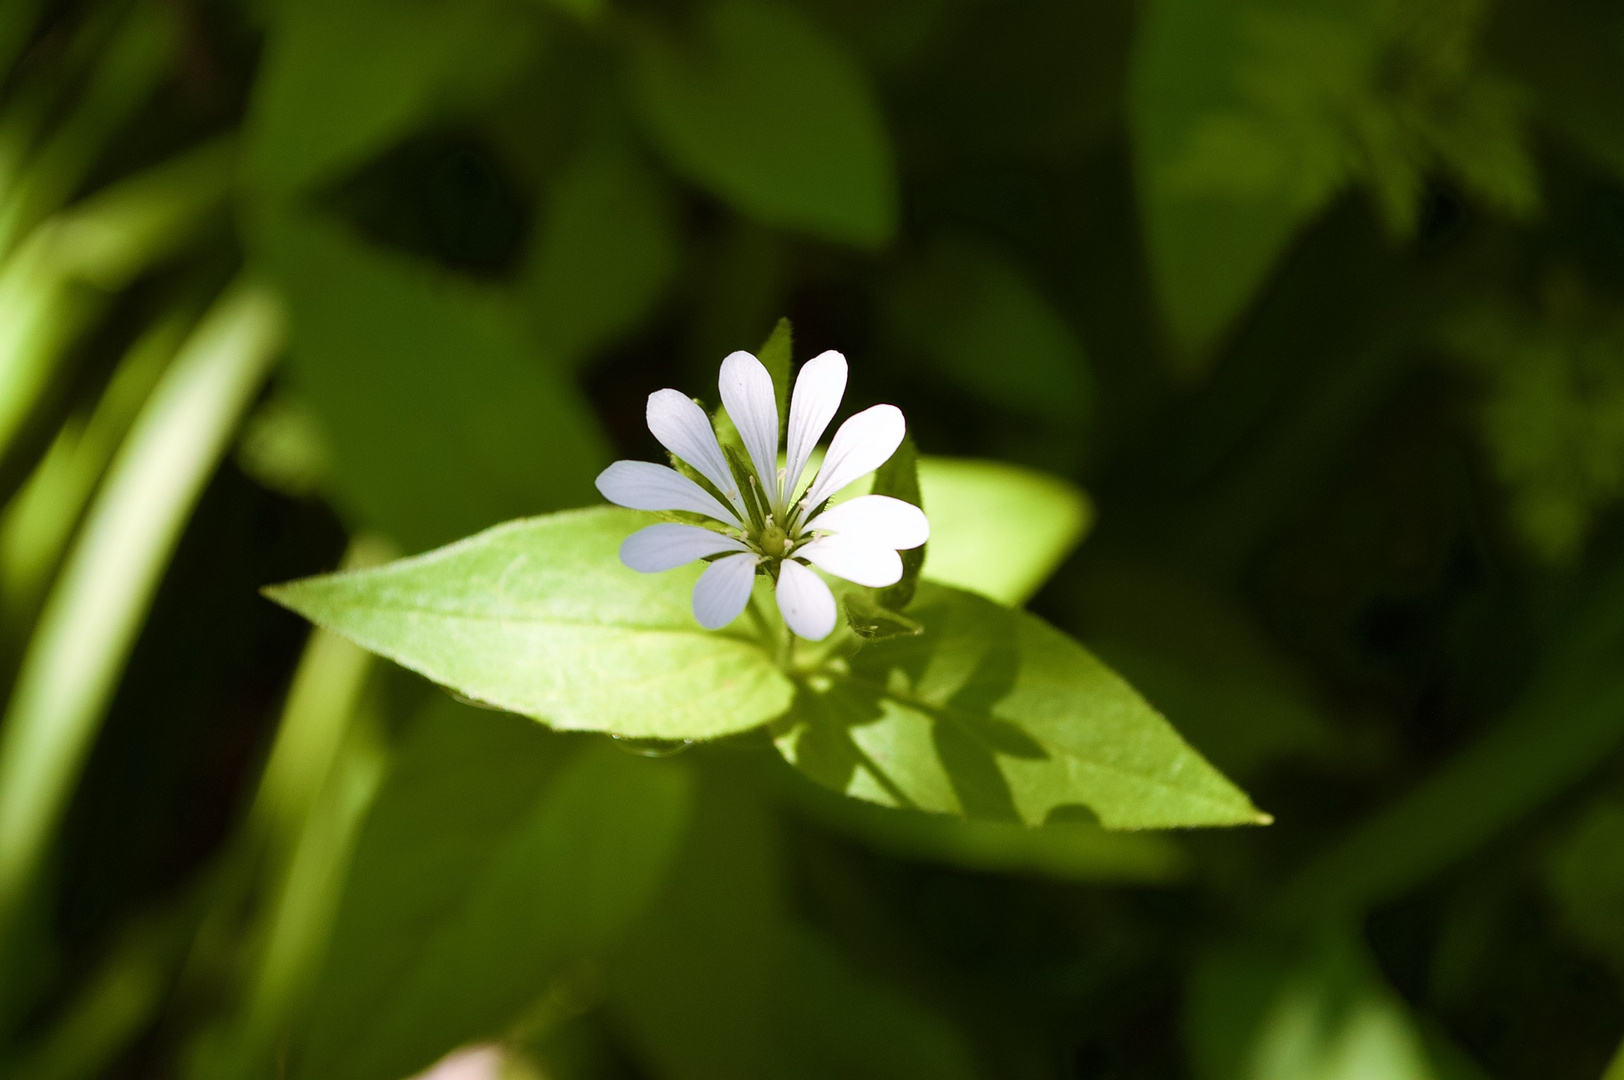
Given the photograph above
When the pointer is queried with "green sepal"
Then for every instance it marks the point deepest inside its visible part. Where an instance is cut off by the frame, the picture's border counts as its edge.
(727, 433)
(899, 478)
(694, 474)
(872, 621)
(745, 477)
(776, 357)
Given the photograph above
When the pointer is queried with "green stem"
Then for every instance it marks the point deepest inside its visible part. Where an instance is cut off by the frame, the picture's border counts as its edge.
(763, 626)
(786, 650)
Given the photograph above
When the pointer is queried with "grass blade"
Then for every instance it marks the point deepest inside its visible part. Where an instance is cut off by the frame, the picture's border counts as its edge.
(91, 618)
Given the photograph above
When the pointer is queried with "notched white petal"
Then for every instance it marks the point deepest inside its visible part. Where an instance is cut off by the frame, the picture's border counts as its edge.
(818, 390)
(683, 428)
(668, 545)
(723, 590)
(874, 565)
(643, 485)
(805, 601)
(863, 443)
(877, 519)
(747, 394)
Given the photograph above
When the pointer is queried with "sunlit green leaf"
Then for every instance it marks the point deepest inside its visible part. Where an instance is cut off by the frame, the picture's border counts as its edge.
(996, 529)
(440, 418)
(540, 617)
(766, 111)
(494, 855)
(992, 713)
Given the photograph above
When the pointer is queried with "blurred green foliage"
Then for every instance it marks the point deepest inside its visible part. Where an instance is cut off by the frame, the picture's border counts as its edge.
(1271, 348)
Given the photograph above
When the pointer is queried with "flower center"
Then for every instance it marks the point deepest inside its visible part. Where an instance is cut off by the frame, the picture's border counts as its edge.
(773, 540)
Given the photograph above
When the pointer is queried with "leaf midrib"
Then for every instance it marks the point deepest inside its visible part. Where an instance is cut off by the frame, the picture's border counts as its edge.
(538, 621)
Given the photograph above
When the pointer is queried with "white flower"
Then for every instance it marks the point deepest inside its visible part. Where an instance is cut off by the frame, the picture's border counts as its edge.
(774, 528)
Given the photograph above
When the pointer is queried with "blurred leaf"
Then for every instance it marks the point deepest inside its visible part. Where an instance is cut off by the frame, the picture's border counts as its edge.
(1572, 54)
(113, 1007)
(342, 79)
(1254, 1014)
(1248, 117)
(540, 617)
(16, 25)
(720, 981)
(1072, 851)
(777, 356)
(693, 982)
(841, 1023)
(319, 779)
(606, 253)
(136, 58)
(494, 855)
(1551, 408)
(992, 713)
(439, 419)
(1585, 876)
(312, 860)
(1615, 1068)
(1570, 718)
(986, 327)
(770, 114)
(1202, 660)
(97, 605)
(53, 286)
(1211, 245)
(996, 529)
(39, 521)
(282, 447)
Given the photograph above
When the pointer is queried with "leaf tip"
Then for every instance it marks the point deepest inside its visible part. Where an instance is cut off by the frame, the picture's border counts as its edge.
(289, 594)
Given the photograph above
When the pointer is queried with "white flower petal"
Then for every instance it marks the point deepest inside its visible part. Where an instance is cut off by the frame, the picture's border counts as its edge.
(747, 394)
(876, 519)
(723, 589)
(874, 565)
(805, 601)
(818, 390)
(683, 428)
(668, 545)
(643, 485)
(863, 443)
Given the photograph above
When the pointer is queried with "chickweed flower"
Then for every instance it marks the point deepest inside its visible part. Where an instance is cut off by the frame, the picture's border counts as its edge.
(758, 518)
